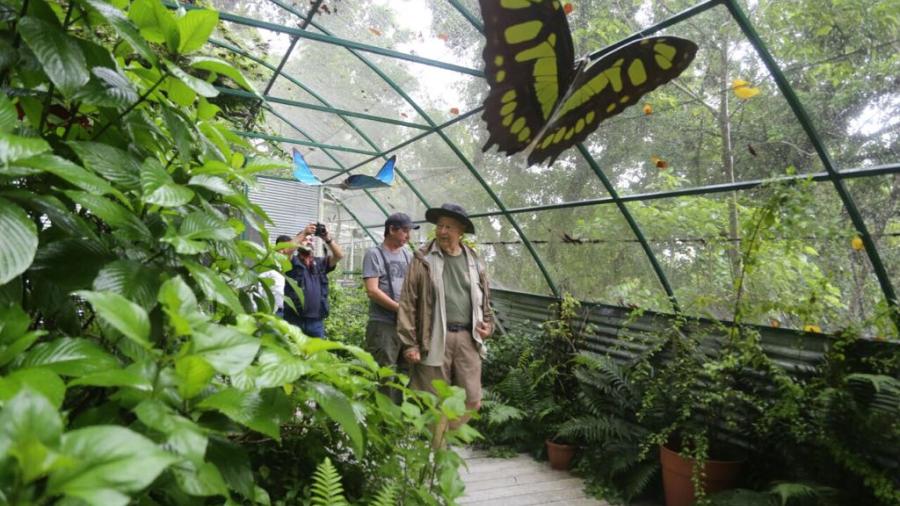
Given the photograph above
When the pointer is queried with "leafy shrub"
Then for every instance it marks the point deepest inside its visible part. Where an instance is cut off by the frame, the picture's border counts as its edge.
(349, 314)
(139, 360)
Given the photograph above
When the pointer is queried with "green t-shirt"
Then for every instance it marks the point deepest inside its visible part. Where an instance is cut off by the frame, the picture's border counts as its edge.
(457, 294)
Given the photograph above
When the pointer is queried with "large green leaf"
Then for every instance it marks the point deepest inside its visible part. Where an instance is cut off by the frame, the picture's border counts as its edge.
(156, 23)
(159, 188)
(124, 28)
(179, 92)
(213, 286)
(69, 357)
(194, 29)
(115, 215)
(212, 183)
(107, 457)
(338, 408)
(129, 377)
(14, 322)
(38, 379)
(18, 241)
(202, 479)
(14, 335)
(234, 464)
(205, 225)
(181, 133)
(227, 349)
(30, 429)
(72, 173)
(59, 214)
(133, 280)
(180, 304)
(185, 437)
(201, 87)
(263, 411)
(222, 67)
(59, 54)
(112, 163)
(193, 373)
(8, 116)
(15, 147)
(278, 367)
(125, 316)
(107, 88)
(54, 260)
(12, 349)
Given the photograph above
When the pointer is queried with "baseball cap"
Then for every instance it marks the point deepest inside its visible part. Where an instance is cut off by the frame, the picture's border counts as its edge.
(400, 220)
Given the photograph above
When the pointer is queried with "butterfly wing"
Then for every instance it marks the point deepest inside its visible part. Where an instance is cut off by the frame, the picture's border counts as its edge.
(605, 87)
(386, 174)
(360, 182)
(528, 60)
(385, 177)
(302, 172)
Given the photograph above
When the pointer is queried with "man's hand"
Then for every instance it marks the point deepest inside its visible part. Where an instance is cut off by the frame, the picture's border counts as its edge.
(310, 229)
(412, 355)
(484, 329)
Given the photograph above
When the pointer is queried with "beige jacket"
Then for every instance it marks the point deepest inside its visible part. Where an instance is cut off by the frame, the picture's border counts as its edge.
(422, 311)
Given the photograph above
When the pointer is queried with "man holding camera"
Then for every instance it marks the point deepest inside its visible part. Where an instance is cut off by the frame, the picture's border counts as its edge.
(311, 274)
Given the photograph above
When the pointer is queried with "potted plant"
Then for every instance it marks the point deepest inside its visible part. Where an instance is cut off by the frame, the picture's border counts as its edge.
(560, 452)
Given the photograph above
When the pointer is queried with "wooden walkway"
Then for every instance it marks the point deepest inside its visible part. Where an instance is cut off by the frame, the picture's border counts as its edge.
(519, 481)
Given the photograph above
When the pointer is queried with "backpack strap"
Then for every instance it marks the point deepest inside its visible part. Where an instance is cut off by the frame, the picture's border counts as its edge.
(387, 270)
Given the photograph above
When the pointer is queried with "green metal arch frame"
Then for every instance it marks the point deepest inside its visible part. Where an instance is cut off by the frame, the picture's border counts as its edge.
(325, 102)
(878, 170)
(832, 174)
(551, 284)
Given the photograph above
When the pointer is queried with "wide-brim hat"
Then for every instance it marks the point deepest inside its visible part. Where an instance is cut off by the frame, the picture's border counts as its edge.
(454, 211)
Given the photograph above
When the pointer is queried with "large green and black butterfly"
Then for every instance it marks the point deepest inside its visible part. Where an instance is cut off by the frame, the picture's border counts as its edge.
(539, 99)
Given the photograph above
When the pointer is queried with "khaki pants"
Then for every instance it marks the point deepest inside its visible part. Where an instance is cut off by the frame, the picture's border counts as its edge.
(461, 367)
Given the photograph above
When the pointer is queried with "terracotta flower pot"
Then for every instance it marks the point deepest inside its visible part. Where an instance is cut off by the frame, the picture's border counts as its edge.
(677, 472)
(560, 455)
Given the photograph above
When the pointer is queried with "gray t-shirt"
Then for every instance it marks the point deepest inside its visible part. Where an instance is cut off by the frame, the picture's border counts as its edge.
(373, 267)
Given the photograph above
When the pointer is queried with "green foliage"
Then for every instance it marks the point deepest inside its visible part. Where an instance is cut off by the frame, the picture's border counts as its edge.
(349, 314)
(138, 359)
(530, 385)
(327, 489)
(605, 420)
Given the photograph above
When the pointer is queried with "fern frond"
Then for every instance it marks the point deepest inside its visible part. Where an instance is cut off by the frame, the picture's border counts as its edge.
(502, 413)
(327, 489)
(638, 479)
(742, 497)
(600, 429)
(791, 493)
(387, 496)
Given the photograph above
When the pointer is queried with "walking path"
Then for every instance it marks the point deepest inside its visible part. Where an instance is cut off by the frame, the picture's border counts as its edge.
(519, 481)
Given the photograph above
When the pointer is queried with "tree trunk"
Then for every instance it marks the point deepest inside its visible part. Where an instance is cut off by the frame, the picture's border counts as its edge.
(734, 251)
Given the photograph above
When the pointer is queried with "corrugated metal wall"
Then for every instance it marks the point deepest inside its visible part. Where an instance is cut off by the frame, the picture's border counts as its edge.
(290, 205)
(610, 330)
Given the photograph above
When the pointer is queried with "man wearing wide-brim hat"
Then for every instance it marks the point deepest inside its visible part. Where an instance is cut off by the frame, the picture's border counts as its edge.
(445, 312)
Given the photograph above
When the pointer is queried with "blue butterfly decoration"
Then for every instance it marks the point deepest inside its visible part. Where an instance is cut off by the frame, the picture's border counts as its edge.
(384, 178)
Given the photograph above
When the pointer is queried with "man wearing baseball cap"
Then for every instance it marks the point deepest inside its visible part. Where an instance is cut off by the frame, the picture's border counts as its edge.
(384, 270)
(445, 312)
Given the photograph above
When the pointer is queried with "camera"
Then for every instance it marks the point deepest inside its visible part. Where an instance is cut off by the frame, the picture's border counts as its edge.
(320, 230)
